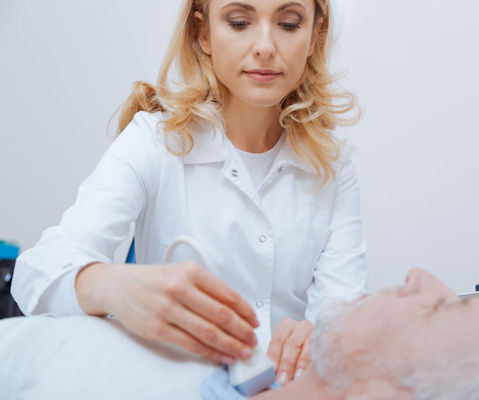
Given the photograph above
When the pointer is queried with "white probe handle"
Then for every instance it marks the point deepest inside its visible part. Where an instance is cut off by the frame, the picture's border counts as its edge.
(248, 377)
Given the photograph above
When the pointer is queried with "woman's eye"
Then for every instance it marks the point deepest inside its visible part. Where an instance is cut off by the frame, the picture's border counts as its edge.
(290, 27)
(238, 25)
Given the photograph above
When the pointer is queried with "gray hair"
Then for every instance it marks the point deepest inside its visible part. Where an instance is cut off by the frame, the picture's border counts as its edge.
(452, 376)
(324, 355)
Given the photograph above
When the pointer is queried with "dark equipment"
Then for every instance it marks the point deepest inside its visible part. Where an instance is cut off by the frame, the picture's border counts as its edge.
(8, 306)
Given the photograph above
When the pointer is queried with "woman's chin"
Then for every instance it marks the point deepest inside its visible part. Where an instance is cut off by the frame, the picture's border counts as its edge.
(262, 101)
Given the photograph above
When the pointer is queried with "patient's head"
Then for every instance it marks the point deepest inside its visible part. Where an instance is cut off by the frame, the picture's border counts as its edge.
(415, 342)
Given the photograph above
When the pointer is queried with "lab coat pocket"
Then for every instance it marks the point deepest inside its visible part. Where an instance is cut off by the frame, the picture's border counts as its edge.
(312, 239)
(309, 242)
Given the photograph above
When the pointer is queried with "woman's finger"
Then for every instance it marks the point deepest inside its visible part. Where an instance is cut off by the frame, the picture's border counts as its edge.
(216, 288)
(280, 334)
(172, 334)
(206, 332)
(289, 356)
(219, 314)
(154, 329)
(292, 349)
(304, 358)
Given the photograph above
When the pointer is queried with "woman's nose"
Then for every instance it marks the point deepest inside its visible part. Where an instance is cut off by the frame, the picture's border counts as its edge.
(264, 45)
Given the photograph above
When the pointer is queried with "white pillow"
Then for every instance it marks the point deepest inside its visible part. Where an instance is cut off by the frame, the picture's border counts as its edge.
(89, 358)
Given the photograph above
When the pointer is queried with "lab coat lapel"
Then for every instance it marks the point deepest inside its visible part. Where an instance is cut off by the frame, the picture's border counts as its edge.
(235, 171)
(212, 145)
(286, 157)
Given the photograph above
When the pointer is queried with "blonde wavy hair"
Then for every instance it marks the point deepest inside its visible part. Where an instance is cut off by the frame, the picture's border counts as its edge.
(309, 114)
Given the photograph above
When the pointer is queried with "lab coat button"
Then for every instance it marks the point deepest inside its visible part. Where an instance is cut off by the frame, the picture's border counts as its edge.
(262, 238)
(259, 304)
(234, 172)
(280, 169)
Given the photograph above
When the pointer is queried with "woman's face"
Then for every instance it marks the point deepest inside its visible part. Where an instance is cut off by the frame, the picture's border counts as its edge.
(272, 36)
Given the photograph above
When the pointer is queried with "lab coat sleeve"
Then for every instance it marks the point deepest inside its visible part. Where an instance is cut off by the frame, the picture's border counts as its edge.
(91, 230)
(340, 272)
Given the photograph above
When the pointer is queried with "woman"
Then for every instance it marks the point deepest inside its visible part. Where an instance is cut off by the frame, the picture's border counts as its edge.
(243, 158)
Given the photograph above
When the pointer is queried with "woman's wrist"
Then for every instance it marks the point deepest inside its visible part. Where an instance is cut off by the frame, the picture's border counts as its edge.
(91, 286)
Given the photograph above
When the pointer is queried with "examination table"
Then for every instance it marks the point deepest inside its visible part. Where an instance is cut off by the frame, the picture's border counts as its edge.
(91, 358)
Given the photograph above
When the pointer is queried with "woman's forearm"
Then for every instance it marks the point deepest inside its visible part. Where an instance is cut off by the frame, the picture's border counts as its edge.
(91, 286)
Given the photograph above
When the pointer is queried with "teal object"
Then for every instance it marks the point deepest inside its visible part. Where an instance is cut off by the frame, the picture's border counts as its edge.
(8, 251)
(131, 258)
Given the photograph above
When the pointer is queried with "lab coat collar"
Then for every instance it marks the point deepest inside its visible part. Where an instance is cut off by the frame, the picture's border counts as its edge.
(287, 156)
(211, 145)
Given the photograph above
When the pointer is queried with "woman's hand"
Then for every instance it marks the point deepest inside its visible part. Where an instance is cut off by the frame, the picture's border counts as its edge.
(182, 304)
(290, 348)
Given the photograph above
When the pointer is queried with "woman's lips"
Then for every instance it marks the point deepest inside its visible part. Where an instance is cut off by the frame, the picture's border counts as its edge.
(261, 77)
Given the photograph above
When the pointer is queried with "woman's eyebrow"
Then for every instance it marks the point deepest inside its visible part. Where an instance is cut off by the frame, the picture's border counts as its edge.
(251, 8)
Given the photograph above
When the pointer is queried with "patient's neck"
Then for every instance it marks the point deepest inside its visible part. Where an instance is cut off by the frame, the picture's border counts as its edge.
(308, 387)
(377, 388)
(313, 387)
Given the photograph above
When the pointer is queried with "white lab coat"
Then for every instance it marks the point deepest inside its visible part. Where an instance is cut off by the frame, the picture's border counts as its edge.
(286, 249)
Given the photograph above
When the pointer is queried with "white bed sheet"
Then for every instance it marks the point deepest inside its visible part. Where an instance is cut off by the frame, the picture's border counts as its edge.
(90, 358)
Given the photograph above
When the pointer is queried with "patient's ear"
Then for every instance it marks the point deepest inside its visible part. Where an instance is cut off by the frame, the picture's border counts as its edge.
(378, 389)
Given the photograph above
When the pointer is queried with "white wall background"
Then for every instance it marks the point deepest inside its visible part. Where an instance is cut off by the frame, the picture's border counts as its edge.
(66, 66)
